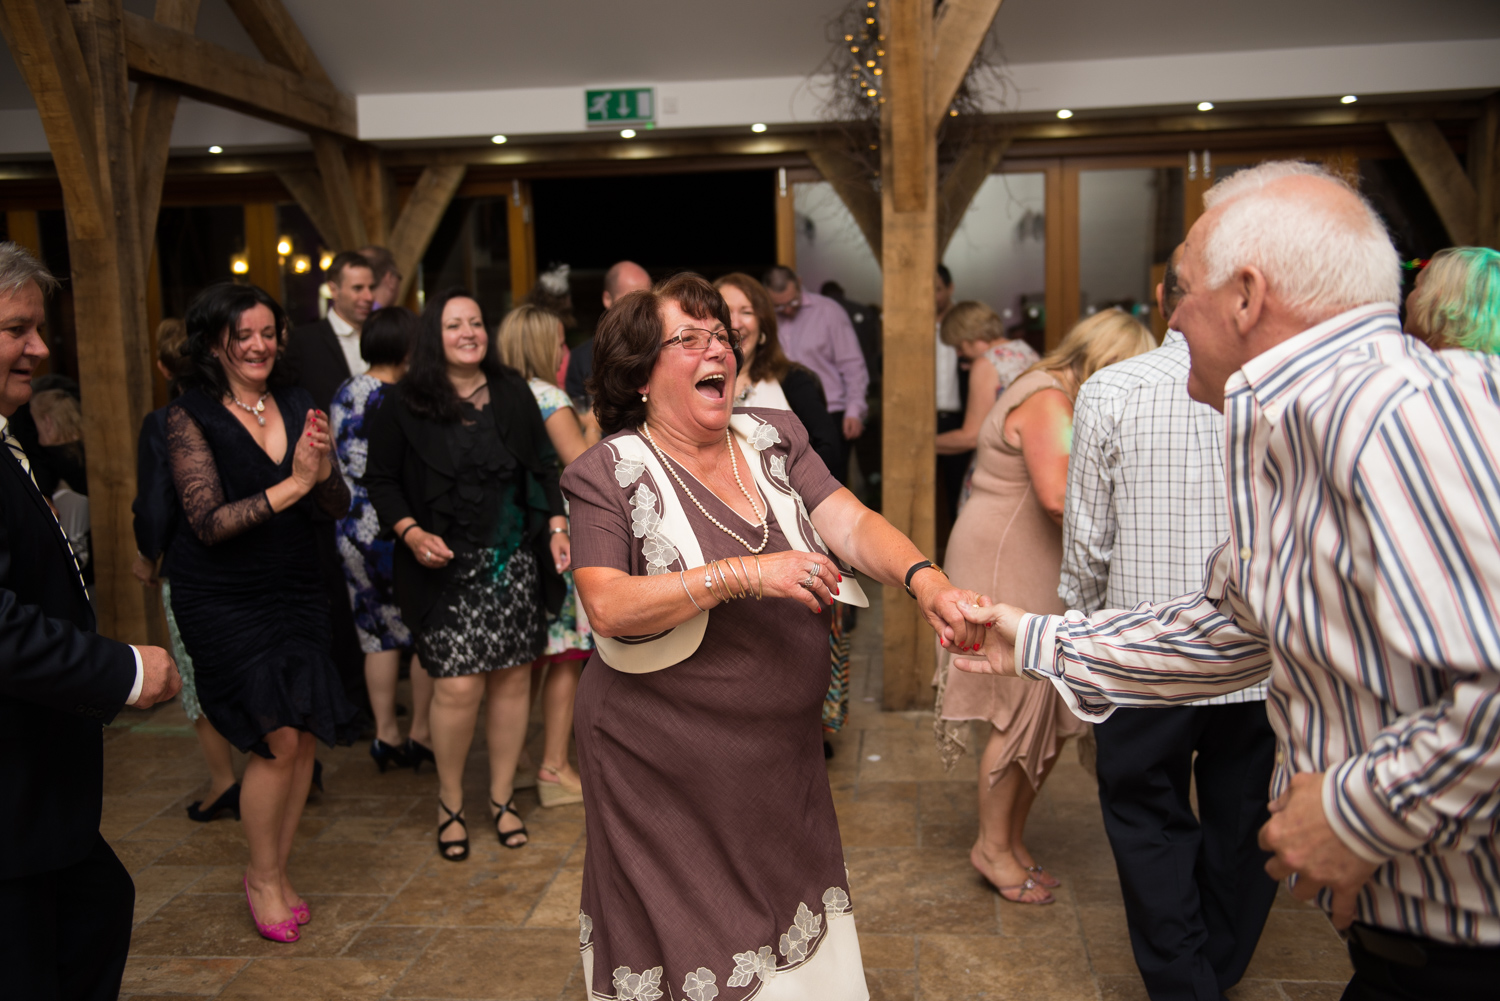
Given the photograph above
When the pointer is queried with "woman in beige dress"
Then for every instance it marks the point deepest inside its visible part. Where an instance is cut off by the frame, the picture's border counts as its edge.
(1007, 543)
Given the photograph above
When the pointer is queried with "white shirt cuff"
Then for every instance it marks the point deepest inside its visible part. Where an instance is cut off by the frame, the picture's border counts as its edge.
(140, 678)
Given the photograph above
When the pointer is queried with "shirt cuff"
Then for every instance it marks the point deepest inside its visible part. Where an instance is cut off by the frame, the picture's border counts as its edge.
(1359, 816)
(1037, 658)
(140, 678)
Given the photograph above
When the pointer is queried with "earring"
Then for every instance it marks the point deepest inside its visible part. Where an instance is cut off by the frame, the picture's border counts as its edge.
(643, 397)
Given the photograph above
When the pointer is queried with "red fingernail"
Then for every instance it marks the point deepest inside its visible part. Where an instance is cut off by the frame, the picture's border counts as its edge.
(841, 578)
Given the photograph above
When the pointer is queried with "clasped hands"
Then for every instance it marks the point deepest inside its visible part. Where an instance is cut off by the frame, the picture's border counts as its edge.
(1298, 835)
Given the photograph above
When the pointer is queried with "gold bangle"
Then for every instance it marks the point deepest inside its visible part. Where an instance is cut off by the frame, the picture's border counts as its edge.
(742, 586)
(726, 568)
(760, 578)
(719, 576)
(711, 578)
(747, 577)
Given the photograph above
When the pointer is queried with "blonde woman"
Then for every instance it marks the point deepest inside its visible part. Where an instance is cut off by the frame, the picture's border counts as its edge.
(1007, 543)
(977, 332)
(1455, 302)
(531, 341)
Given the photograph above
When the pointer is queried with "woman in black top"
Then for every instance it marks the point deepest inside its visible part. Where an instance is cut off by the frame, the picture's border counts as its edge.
(767, 378)
(462, 473)
(250, 459)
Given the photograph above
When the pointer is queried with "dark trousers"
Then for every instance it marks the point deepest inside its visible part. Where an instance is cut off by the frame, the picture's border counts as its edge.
(952, 468)
(64, 934)
(348, 658)
(1389, 966)
(840, 468)
(1196, 890)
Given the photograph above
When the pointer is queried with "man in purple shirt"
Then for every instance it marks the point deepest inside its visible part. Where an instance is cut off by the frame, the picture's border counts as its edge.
(815, 331)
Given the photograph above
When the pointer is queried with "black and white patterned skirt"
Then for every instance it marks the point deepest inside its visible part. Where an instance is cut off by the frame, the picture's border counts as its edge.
(488, 617)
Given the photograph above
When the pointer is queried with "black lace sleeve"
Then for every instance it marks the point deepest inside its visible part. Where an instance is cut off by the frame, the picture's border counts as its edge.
(332, 495)
(197, 478)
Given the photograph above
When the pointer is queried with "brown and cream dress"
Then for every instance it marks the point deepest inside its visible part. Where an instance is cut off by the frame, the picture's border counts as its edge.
(714, 869)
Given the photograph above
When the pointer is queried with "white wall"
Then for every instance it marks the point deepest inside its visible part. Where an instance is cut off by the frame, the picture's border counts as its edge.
(993, 256)
(830, 245)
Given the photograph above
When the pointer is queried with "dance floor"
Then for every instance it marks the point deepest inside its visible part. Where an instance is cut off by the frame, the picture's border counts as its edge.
(392, 920)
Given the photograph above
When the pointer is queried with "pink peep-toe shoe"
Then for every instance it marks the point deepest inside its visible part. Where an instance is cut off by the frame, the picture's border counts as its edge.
(281, 931)
(301, 913)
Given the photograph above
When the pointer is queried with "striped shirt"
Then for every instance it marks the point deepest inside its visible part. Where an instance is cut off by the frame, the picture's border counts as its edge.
(1362, 573)
(1145, 507)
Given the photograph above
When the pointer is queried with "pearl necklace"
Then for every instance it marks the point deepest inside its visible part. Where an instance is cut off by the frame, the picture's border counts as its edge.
(765, 528)
(256, 411)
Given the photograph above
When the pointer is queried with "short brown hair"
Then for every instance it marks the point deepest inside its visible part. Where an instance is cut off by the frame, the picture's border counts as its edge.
(770, 361)
(971, 321)
(343, 262)
(629, 339)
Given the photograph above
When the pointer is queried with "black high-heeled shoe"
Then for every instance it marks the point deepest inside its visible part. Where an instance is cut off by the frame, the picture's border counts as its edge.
(447, 848)
(505, 836)
(386, 755)
(417, 753)
(230, 800)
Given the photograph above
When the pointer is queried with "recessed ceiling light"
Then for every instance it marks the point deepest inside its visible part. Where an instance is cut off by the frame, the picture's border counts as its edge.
(758, 127)
(627, 133)
(1064, 113)
(498, 140)
(1348, 99)
(216, 149)
(1205, 105)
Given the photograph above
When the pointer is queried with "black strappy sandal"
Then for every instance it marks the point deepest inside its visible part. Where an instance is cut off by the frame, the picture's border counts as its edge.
(505, 836)
(446, 847)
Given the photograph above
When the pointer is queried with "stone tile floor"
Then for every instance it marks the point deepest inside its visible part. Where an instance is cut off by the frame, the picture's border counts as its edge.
(392, 920)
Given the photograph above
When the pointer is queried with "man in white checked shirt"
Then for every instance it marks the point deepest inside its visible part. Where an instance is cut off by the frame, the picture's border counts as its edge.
(1145, 509)
(1361, 573)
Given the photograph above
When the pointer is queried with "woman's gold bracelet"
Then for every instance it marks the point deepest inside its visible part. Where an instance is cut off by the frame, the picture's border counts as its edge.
(743, 586)
(752, 590)
(726, 574)
(719, 577)
(711, 579)
(760, 579)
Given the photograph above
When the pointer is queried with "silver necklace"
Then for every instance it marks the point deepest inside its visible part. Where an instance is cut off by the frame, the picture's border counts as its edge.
(765, 528)
(258, 411)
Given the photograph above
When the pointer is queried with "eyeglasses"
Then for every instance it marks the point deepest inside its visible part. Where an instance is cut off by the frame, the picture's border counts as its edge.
(697, 339)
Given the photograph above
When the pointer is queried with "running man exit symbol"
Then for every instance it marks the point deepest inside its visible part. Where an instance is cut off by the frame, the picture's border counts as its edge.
(611, 107)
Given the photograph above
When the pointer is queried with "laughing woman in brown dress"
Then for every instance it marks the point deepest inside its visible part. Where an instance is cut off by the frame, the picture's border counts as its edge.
(714, 868)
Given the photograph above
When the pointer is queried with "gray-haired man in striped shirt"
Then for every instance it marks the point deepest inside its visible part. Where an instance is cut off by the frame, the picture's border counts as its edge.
(1361, 574)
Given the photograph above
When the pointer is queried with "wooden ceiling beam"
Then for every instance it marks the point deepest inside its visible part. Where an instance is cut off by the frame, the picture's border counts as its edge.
(277, 37)
(1442, 177)
(217, 75)
(151, 118)
(963, 182)
(419, 219)
(959, 28)
(847, 177)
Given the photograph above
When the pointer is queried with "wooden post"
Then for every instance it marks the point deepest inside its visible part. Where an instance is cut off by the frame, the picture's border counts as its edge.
(260, 248)
(1442, 177)
(522, 240)
(908, 256)
(375, 190)
(419, 219)
(786, 222)
(73, 58)
(1061, 252)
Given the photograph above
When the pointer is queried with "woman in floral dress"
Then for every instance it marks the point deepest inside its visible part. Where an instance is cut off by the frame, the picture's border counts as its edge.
(368, 559)
(531, 342)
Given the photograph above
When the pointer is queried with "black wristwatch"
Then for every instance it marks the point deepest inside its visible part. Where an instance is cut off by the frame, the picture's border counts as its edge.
(914, 568)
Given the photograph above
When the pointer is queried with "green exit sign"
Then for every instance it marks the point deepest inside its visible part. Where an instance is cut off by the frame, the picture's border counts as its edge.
(624, 105)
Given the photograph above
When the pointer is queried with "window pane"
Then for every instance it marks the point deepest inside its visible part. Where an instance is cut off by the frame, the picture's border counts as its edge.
(1128, 223)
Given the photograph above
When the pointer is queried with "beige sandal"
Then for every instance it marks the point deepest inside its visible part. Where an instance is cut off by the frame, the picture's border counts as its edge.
(1022, 889)
(555, 791)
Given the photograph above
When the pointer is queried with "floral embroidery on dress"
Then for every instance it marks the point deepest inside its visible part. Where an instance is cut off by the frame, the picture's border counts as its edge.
(643, 986)
(700, 986)
(627, 471)
(778, 472)
(805, 927)
(749, 965)
(645, 523)
(835, 900)
(764, 436)
(586, 929)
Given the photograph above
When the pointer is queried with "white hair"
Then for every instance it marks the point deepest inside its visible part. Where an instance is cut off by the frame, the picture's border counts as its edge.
(1317, 259)
(18, 268)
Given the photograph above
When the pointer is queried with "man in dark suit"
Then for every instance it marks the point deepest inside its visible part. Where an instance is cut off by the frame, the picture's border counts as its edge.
(320, 357)
(65, 899)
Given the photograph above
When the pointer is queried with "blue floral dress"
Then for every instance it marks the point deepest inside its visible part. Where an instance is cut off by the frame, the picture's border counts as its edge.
(368, 560)
(569, 634)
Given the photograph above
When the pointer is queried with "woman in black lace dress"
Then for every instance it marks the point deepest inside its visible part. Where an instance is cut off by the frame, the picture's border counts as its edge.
(250, 459)
(461, 471)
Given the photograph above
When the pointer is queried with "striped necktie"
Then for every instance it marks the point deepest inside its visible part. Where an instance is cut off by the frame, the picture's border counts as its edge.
(14, 444)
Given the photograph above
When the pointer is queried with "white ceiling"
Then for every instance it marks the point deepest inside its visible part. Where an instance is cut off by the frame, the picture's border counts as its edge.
(508, 53)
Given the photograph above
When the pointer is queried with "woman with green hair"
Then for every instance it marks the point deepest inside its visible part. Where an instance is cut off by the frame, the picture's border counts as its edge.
(1456, 300)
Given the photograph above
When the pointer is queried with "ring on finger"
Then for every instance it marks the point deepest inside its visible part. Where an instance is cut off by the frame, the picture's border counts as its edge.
(811, 579)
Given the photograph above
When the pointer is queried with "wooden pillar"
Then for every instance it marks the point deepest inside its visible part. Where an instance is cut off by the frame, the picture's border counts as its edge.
(72, 56)
(1061, 252)
(375, 191)
(522, 240)
(908, 197)
(419, 220)
(260, 247)
(786, 222)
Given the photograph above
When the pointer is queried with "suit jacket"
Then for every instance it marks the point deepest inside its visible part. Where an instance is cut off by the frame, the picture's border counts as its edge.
(59, 684)
(409, 474)
(315, 362)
